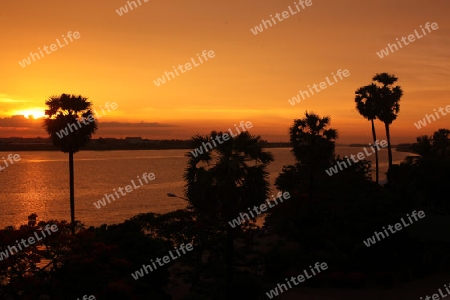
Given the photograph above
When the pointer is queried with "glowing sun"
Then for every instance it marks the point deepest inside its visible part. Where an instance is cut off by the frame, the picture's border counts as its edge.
(33, 113)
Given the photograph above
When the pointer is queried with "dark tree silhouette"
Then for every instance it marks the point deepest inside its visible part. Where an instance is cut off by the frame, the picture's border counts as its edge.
(70, 124)
(313, 144)
(423, 180)
(388, 104)
(441, 142)
(366, 104)
(225, 181)
(424, 146)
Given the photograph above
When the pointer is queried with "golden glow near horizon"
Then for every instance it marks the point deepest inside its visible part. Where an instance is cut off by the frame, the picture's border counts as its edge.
(35, 113)
(109, 57)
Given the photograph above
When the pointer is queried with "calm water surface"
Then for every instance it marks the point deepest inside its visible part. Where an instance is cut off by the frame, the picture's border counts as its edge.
(39, 183)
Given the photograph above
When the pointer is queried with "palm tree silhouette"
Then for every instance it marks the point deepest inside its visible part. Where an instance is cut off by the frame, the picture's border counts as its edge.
(225, 181)
(70, 124)
(441, 142)
(424, 146)
(366, 104)
(313, 144)
(388, 104)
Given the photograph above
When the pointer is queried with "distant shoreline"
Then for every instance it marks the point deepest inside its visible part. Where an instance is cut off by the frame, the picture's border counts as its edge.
(398, 148)
(137, 143)
(110, 144)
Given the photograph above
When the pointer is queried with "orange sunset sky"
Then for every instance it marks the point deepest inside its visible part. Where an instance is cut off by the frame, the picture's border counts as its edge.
(251, 77)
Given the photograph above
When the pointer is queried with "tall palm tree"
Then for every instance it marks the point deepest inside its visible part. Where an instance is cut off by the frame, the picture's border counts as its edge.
(366, 104)
(313, 144)
(225, 181)
(388, 104)
(70, 124)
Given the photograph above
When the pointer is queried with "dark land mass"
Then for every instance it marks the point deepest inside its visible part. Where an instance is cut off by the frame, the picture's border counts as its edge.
(129, 143)
(399, 147)
(133, 143)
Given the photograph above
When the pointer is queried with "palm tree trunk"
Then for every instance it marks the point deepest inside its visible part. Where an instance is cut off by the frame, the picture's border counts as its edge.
(374, 134)
(229, 261)
(72, 193)
(311, 172)
(388, 137)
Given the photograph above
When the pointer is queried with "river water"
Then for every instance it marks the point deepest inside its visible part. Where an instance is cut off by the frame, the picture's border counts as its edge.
(39, 183)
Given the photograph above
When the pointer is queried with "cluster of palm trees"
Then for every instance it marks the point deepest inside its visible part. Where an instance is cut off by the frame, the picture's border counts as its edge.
(233, 176)
(312, 142)
(380, 100)
(226, 181)
(436, 145)
(312, 145)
